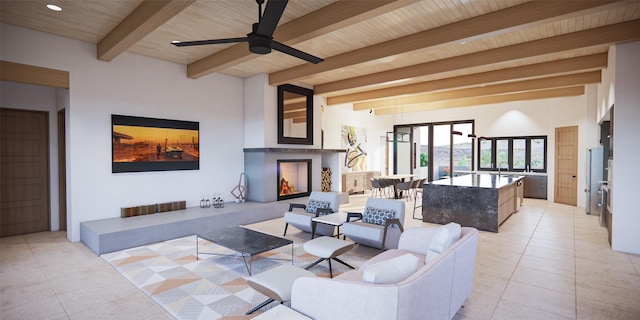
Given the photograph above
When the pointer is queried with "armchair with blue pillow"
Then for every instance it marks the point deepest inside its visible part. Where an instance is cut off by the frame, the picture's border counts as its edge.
(379, 225)
(319, 203)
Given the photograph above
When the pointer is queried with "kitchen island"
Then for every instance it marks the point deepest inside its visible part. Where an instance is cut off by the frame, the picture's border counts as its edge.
(482, 201)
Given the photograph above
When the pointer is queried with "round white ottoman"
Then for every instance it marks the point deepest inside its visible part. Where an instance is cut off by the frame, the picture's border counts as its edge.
(276, 283)
(327, 248)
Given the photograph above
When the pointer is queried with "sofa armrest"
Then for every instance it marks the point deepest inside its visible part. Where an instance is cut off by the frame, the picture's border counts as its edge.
(322, 298)
(297, 205)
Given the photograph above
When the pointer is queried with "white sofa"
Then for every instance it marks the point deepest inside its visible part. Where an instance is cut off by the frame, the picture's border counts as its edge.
(434, 291)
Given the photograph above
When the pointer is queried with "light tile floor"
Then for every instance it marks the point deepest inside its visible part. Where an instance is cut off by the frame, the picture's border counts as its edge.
(548, 261)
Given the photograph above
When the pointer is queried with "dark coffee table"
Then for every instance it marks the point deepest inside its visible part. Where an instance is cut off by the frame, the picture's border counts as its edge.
(247, 242)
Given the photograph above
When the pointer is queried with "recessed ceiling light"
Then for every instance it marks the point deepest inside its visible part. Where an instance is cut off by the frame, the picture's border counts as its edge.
(54, 7)
(175, 41)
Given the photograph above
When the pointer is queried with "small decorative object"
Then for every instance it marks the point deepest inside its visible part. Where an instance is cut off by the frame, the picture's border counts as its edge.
(240, 189)
(205, 203)
(217, 201)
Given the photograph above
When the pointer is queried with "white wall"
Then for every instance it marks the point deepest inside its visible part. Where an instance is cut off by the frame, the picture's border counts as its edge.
(134, 85)
(624, 188)
(523, 118)
(257, 114)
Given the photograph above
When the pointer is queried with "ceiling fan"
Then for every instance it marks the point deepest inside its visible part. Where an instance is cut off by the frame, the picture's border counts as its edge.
(261, 37)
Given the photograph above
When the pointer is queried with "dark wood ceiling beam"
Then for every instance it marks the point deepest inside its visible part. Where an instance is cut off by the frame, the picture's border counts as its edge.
(590, 62)
(477, 101)
(148, 16)
(491, 24)
(511, 87)
(607, 35)
(325, 20)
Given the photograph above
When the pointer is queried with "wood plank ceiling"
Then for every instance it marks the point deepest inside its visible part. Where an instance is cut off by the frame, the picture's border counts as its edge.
(387, 55)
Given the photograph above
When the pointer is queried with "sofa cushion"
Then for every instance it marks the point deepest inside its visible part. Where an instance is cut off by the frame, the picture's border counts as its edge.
(442, 240)
(390, 254)
(314, 205)
(377, 216)
(391, 271)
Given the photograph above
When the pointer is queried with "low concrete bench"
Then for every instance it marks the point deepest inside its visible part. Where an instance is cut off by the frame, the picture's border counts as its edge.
(115, 234)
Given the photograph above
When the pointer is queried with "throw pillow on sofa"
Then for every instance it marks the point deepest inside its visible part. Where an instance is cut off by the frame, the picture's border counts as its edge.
(446, 236)
(391, 271)
(377, 216)
(314, 205)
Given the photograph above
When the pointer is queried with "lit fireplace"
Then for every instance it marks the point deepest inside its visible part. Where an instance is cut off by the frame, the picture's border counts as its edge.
(294, 178)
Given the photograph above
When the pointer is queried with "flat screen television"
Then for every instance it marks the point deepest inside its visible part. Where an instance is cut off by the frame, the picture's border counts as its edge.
(148, 144)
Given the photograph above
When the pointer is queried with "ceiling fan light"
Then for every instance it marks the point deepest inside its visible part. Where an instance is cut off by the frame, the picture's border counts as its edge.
(259, 44)
(54, 7)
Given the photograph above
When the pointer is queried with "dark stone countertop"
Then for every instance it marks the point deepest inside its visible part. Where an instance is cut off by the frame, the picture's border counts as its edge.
(477, 180)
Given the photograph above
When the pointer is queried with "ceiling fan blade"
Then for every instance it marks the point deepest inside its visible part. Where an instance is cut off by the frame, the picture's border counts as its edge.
(205, 42)
(295, 52)
(271, 16)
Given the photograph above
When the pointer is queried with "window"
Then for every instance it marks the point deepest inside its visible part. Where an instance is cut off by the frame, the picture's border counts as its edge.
(538, 154)
(519, 154)
(502, 154)
(485, 152)
(513, 153)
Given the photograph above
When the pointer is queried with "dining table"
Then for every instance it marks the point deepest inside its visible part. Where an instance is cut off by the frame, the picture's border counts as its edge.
(395, 179)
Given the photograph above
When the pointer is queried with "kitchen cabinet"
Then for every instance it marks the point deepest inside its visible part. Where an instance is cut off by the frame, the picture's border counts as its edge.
(535, 186)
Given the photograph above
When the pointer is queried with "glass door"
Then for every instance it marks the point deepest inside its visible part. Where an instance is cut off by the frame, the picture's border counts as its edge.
(404, 159)
(421, 151)
(441, 151)
(462, 149)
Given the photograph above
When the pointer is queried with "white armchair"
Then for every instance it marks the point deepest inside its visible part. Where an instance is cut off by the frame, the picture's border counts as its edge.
(319, 203)
(380, 224)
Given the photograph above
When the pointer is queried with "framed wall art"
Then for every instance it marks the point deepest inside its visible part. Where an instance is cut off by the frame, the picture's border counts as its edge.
(148, 144)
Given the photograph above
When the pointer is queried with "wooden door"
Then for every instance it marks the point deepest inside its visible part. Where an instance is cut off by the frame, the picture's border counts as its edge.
(566, 166)
(24, 172)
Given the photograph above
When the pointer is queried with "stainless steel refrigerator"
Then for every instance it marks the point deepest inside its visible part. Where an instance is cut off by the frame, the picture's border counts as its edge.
(595, 161)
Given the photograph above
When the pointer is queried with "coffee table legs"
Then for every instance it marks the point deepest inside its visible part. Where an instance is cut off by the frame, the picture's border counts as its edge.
(246, 258)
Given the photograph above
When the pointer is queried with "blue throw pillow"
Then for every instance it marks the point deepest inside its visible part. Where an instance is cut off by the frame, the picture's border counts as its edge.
(314, 205)
(377, 216)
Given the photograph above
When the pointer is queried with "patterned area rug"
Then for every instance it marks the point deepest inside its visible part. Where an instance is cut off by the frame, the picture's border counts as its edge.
(213, 287)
